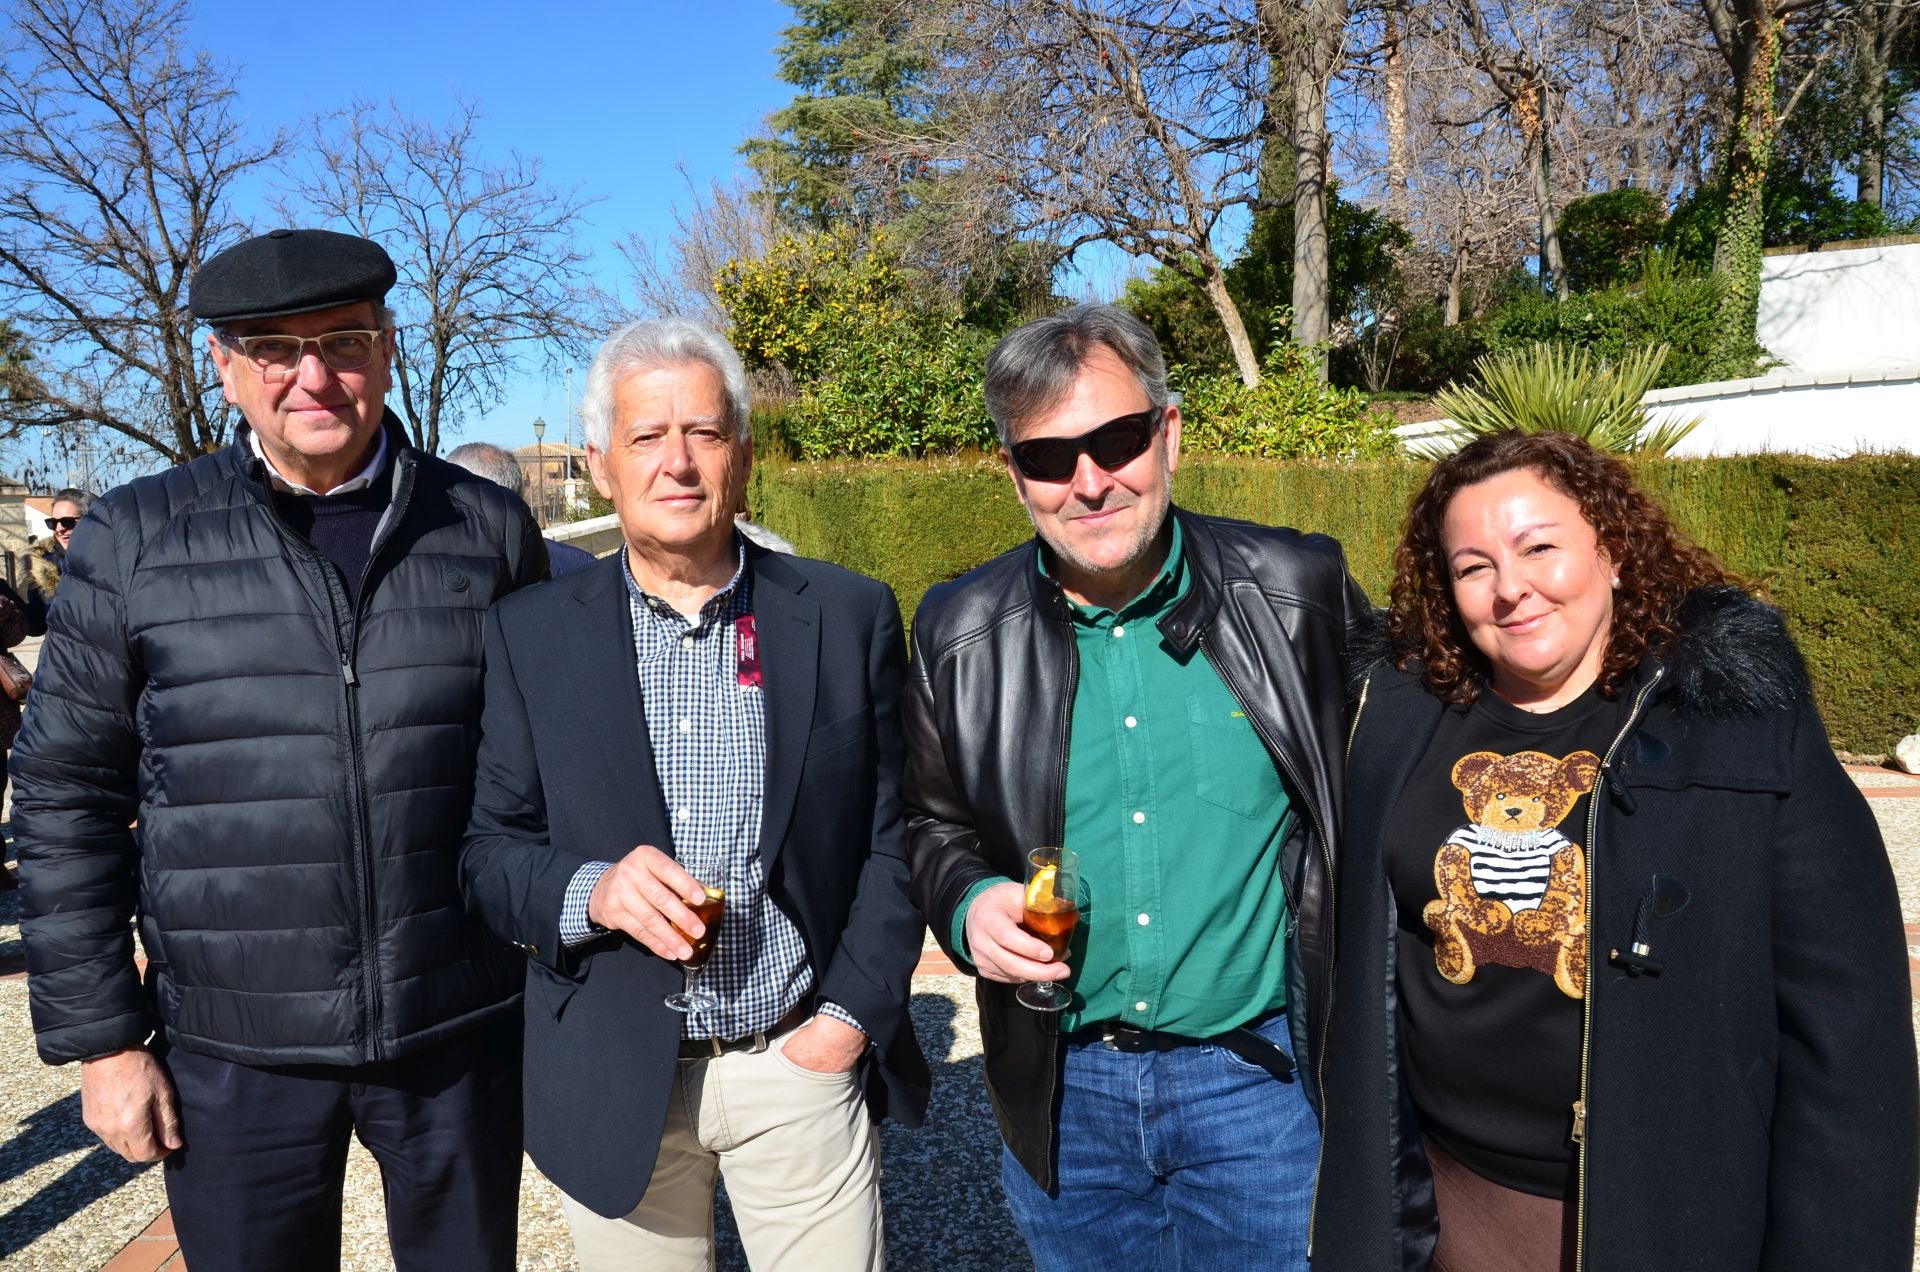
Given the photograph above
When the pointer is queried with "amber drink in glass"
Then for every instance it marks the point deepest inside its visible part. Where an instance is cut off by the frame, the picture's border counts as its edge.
(709, 909)
(1051, 912)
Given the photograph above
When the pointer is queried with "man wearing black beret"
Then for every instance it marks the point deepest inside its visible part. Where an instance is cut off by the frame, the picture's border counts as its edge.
(253, 732)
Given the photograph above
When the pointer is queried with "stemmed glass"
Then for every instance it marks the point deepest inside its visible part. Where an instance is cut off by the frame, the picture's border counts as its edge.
(1051, 912)
(710, 908)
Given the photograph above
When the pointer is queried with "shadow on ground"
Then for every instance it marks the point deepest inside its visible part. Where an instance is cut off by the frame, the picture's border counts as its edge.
(940, 1188)
(53, 1132)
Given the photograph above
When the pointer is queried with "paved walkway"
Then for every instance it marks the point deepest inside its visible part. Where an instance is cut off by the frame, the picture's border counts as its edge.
(67, 1205)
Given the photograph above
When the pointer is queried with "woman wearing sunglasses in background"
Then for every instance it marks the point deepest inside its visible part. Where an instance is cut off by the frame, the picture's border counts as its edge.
(1612, 917)
(46, 559)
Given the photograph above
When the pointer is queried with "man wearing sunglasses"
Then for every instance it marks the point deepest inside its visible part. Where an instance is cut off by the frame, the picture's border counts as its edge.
(1161, 693)
(268, 660)
(46, 557)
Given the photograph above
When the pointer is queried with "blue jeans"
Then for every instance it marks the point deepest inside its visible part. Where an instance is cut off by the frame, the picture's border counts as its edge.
(1189, 1160)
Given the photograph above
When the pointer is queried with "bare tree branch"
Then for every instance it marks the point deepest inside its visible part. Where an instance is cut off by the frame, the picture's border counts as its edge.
(491, 273)
(119, 149)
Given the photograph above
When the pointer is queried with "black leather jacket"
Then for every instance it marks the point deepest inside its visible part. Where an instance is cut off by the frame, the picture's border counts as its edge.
(987, 711)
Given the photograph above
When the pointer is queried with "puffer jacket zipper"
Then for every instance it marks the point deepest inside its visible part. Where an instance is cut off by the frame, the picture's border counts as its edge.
(346, 645)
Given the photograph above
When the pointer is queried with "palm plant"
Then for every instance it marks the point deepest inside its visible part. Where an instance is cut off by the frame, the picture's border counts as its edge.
(1558, 388)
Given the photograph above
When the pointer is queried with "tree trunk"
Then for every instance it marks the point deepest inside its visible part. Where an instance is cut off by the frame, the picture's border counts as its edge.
(1738, 251)
(1553, 265)
(1316, 45)
(1456, 284)
(1876, 49)
(1399, 160)
(1214, 284)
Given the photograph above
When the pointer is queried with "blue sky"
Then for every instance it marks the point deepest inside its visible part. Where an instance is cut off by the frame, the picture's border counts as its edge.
(609, 97)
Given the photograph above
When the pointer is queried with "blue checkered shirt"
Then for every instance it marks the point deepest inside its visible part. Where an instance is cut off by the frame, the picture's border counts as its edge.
(709, 736)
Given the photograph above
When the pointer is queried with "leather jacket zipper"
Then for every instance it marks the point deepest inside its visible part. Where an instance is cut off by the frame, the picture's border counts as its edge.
(1052, 1018)
(1586, 1004)
(1319, 1061)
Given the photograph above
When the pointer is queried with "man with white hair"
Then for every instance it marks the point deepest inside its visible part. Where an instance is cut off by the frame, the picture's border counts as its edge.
(697, 714)
(484, 459)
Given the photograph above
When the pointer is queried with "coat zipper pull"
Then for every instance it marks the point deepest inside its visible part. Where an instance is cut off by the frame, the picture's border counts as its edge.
(1579, 1135)
(346, 671)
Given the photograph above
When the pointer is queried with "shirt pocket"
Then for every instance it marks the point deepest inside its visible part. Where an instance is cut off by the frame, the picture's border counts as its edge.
(1231, 769)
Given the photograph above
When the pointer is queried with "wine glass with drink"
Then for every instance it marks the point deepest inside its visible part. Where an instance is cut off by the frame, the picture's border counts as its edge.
(1051, 912)
(709, 909)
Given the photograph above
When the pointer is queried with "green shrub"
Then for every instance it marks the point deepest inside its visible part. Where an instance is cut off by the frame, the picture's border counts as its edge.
(1290, 414)
(906, 387)
(879, 370)
(1797, 211)
(1432, 354)
(1832, 542)
(797, 304)
(1605, 237)
(1670, 306)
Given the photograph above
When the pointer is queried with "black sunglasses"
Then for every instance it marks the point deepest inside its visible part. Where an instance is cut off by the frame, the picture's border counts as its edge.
(62, 523)
(1112, 445)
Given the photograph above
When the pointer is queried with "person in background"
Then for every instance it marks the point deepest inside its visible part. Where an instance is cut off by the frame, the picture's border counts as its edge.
(46, 558)
(1622, 981)
(13, 630)
(695, 711)
(253, 733)
(1162, 693)
(497, 465)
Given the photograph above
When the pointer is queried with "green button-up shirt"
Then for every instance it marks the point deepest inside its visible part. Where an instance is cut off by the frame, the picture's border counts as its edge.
(1177, 813)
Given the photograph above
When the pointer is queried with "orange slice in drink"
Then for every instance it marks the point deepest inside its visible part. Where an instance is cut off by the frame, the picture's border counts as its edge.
(1040, 889)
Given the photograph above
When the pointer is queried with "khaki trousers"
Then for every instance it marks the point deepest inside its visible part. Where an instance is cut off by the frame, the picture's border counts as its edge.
(801, 1161)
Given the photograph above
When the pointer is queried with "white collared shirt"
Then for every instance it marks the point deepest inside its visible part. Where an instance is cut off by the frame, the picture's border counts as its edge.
(359, 481)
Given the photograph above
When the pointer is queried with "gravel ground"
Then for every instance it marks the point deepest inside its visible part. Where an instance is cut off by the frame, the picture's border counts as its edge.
(67, 1205)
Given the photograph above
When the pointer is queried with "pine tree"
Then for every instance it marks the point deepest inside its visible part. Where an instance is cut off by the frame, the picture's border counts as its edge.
(858, 77)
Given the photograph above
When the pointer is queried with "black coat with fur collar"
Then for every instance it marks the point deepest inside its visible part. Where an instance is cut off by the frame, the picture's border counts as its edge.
(1751, 1105)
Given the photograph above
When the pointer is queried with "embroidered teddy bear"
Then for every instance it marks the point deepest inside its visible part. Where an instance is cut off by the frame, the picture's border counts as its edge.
(1512, 887)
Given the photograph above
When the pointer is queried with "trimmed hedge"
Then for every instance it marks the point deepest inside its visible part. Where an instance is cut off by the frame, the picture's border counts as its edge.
(1834, 543)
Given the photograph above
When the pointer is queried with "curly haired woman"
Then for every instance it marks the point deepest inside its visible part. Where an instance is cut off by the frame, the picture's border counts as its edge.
(1620, 979)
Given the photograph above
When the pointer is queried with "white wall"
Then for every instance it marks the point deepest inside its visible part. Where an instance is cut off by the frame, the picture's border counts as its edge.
(1829, 415)
(1842, 309)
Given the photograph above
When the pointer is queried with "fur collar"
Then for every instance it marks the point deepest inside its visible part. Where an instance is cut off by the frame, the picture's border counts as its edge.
(44, 561)
(1732, 658)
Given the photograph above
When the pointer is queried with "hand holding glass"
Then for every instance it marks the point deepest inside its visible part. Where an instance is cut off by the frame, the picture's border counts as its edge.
(709, 910)
(1051, 912)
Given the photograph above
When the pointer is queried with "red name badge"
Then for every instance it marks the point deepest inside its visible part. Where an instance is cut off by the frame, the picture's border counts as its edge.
(746, 652)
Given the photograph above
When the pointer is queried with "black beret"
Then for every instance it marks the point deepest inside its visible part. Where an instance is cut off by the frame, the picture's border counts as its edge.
(289, 272)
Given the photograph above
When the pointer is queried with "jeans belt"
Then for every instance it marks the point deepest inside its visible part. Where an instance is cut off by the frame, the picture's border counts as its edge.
(708, 1048)
(1242, 1041)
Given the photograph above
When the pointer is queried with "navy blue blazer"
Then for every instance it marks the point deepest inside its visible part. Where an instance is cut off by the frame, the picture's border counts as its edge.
(566, 776)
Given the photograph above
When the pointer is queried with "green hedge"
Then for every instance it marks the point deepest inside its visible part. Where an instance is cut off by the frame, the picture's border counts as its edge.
(1834, 543)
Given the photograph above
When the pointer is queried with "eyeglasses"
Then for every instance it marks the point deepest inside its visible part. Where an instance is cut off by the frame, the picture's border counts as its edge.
(62, 523)
(1112, 445)
(340, 350)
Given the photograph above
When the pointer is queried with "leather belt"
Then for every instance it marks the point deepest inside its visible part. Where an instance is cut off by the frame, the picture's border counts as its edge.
(708, 1048)
(1242, 1041)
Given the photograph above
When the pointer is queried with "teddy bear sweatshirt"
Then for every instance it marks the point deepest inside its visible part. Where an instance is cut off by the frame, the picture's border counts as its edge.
(1486, 853)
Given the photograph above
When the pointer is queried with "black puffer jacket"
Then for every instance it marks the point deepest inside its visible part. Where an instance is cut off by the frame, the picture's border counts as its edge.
(300, 775)
(987, 710)
(1750, 1102)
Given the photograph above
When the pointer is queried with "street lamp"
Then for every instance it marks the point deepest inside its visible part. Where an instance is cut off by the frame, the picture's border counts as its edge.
(540, 458)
